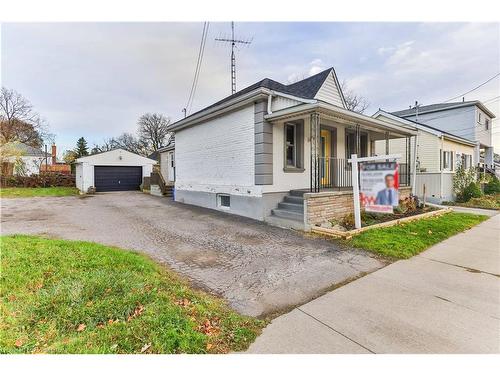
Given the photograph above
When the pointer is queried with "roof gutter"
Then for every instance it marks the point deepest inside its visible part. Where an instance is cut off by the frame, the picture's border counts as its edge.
(349, 115)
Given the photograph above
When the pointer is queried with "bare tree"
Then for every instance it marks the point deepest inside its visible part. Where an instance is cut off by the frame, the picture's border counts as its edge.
(354, 102)
(129, 142)
(19, 122)
(153, 130)
(107, 144)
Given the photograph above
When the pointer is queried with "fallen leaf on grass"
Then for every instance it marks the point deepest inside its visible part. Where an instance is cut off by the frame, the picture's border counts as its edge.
(145, 347)
(414, 233)
(114, 346)
(81, 327)
(183, 302)
(12, 298)
(18, 343)
(208, 328)
(137, 311)
(430, 231)
(209, 346)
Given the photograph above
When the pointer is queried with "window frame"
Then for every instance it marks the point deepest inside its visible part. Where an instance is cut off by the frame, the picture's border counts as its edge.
(294, 145)
(220, 204)
(298, 146)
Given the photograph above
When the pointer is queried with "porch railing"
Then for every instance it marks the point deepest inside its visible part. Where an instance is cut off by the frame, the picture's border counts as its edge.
(337, 173)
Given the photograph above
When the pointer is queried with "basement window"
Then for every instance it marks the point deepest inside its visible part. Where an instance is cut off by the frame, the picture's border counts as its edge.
(224, 201)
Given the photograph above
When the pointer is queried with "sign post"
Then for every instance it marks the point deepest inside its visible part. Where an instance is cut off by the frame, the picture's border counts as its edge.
(355, 191)
(355, 183)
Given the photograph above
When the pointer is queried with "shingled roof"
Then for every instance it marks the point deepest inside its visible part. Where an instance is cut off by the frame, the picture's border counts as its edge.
(306, 88)
(440, 107)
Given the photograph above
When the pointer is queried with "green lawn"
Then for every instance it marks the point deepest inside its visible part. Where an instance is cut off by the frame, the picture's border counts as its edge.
(79, 297)
(406, 240)
(21, 192)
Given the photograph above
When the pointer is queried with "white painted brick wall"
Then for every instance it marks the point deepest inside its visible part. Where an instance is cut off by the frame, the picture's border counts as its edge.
(217, 155)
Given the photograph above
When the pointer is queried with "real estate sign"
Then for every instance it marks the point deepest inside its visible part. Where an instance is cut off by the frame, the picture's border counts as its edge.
(379, 186)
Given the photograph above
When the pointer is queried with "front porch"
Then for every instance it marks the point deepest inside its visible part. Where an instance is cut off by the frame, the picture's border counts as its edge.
(318, 141)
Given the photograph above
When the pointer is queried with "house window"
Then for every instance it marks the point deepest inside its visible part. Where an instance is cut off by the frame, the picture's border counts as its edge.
(291, 145)
(224, 200)
(466, 161)
(487, 124)
(479, 117)
(294, 146)
(350, 144)
(447, 160)
(172, 160)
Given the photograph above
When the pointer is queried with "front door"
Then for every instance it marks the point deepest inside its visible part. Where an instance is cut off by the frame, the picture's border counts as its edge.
(325, 165)
(170, 166)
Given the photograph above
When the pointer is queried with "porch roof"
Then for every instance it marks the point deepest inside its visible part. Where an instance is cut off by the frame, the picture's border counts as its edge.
(340, 115)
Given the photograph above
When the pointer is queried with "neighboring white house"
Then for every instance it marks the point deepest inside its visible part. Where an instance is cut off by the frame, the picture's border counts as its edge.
(271, 150)
(467, 119)
(114, 170)
(437, 155)
(25, 159)
(167, 161)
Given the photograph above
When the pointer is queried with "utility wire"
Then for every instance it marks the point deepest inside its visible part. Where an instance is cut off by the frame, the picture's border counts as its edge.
(199, 61)
(475, 88)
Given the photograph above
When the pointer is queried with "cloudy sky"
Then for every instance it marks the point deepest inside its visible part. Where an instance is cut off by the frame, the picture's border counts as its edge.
(96, 79)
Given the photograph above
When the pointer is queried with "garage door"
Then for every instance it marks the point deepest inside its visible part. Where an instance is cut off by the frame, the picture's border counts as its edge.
(113, 178)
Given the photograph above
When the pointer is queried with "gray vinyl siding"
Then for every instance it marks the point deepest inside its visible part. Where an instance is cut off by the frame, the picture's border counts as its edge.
(263, 146)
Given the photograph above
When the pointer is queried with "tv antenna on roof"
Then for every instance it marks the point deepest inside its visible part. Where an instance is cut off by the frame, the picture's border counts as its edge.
(233, 42)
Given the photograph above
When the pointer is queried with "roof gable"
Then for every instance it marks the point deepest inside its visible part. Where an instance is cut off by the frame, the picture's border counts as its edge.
(116, 153)
(330, 90)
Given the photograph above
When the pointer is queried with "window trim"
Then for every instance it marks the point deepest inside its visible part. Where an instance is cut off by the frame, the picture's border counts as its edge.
(219, 201)
(298, 127)
(294, 145)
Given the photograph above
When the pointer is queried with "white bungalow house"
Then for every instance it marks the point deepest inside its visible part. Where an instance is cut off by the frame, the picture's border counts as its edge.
(277, 152)
(22, 159)
(437, 155)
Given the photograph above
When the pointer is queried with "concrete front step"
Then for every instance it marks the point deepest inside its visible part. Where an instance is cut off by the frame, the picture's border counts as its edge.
(295, 207)
(298, 193)
(285, 223)
(293, 199)
(291, 215)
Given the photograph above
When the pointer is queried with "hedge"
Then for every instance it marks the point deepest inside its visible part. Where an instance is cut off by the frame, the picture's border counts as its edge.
(39, 180)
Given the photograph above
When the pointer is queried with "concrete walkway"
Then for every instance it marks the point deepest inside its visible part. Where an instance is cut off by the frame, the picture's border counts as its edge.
(446, 300)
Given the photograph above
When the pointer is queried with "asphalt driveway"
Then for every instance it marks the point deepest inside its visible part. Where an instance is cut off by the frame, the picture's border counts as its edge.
(257, 268)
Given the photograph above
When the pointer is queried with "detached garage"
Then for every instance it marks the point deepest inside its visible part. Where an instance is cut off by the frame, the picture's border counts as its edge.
(116, 170)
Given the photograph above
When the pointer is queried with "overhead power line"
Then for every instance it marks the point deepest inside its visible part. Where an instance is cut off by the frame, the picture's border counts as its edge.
(475, 88)
(199, 61)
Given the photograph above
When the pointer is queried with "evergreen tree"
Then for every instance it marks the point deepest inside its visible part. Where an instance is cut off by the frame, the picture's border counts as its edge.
(81, 148)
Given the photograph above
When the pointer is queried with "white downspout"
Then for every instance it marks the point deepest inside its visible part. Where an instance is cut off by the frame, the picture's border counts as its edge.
(415, 157)
(441, 158)
(269, 104)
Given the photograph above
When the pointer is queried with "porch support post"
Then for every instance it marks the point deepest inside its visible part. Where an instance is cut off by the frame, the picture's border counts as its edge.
(358, 142)
(315, 151)
(387, 143)
(408, 161)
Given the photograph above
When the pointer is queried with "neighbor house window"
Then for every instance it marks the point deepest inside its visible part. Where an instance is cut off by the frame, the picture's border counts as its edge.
(466, 161)
(487, 124)
(479, 117)
(291, 145)
(447, 160)
(224, 200)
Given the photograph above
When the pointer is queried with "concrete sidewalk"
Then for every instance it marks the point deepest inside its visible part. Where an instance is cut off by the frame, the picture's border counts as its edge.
(445, 300)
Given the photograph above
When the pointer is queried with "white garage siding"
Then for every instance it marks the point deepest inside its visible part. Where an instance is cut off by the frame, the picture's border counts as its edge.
(217, 156)
(85, 166)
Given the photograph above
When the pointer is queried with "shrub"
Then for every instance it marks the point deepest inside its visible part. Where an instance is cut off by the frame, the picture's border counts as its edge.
(40, 180)
(462, 179)
(471, 191)
(493, 186)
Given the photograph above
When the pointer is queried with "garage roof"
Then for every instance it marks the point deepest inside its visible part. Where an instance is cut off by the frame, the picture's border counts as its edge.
(104, 157)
